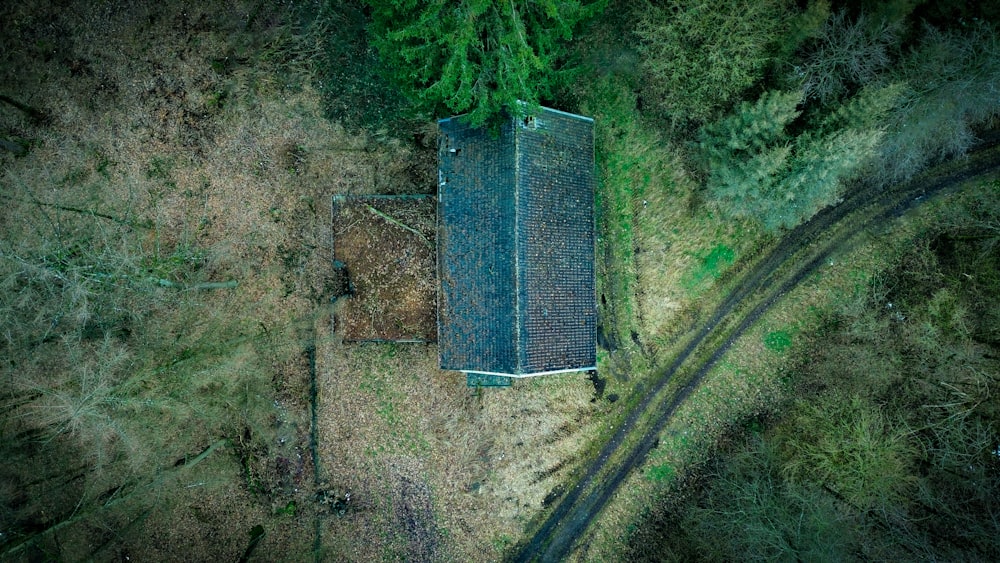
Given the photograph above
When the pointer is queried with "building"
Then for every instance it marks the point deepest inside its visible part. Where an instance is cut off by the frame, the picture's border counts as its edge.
(515, 244)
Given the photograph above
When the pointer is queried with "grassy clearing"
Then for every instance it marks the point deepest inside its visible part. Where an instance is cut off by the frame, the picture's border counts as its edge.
(662, 251)
(660, 248)
(397, 430)
(616, 199)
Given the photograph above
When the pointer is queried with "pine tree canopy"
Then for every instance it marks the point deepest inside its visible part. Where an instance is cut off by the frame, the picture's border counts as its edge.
(478, 57)
(757, 169)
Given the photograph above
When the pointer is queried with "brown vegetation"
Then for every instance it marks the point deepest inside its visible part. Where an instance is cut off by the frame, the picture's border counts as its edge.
(384, 251)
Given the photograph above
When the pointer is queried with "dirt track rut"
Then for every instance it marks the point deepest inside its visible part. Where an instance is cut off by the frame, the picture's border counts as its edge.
(797, 255)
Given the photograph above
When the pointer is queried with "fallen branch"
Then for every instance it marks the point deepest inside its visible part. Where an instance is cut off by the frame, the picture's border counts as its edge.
(80, 516)
(400, 224)
(37, 116)
(34, 201)
(13, 146)
(206, 285)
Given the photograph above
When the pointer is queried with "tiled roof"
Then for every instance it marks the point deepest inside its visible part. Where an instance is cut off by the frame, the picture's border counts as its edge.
(516, 246)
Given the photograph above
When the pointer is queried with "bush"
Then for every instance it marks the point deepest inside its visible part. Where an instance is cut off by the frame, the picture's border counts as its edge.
(752, 513)
(953, 80)
(746, 510)
(699, 57)
(846, 55)
(853, 449)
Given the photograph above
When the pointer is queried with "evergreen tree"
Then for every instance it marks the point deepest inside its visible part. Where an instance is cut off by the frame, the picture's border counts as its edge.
(757, 169)
(475, 56)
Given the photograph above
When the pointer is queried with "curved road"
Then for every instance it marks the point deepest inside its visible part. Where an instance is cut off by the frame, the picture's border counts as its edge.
(797, 255)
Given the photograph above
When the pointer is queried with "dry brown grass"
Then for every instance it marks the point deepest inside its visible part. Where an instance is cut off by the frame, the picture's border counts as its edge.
(394, 425)
(225, 172)
(207, 172)
(677, 236)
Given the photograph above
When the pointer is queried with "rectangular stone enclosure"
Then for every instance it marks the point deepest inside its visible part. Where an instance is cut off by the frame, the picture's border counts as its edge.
(384, 266)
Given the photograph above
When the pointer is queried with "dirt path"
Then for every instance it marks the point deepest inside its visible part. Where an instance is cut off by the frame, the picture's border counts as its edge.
(796, 256)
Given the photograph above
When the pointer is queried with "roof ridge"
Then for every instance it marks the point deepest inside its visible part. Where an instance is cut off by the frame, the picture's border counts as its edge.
(518, 325)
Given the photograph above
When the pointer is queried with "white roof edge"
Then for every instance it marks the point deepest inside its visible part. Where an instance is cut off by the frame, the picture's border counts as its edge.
(560, 112)
(568, 114)
(527, 375)
(544, 108)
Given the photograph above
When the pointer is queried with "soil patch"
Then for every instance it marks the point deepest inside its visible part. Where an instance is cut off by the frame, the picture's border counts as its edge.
(384, 256)
(413, 516)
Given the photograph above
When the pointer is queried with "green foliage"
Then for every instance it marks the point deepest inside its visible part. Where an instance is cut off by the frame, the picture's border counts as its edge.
(749, 512)
(700, 56)
(662, 472)
(778, 341)
(889, 449)
(757, 169)
(753, 513)
(868, 109)
(475, 56)
(917, 454)
(807, 24)
(892, 11)
(630, 160)
(786, 156)
(501, 543)
(712, 266)
(718, 259)
(849, 446)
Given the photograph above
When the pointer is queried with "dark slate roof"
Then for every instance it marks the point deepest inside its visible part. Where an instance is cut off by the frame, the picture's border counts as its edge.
(516, 245)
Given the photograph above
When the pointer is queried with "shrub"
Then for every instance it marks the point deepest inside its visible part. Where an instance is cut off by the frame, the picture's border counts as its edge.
(953, 80)
(751, 512)
(699, 57)
(845, 55)
(853, 449)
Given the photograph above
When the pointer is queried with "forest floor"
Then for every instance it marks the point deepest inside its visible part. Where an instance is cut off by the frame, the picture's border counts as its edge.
(384, 250)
